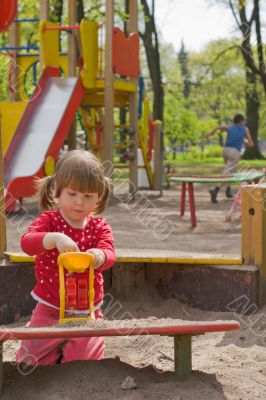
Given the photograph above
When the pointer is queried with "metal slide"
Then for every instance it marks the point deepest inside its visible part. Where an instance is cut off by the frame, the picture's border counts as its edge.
(40, 133)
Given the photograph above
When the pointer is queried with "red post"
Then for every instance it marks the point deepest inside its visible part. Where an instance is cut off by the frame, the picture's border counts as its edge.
(183, 199)
(192, 205)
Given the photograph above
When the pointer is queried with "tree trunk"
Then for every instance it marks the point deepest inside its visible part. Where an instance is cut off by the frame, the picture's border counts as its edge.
(80, 10)
(252, 111)
(151, 44)
(252, 98)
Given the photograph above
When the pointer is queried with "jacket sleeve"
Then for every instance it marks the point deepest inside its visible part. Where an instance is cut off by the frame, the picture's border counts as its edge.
(105, 243)
(31, 241)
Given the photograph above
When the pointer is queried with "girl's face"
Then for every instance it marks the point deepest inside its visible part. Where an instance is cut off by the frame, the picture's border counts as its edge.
(75, 206)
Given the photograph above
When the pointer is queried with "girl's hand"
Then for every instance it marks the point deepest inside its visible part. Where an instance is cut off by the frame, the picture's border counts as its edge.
(62, 242)
(99, 257)
(65, 244)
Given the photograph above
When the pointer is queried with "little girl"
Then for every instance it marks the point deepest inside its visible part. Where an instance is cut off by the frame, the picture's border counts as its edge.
(77, 190)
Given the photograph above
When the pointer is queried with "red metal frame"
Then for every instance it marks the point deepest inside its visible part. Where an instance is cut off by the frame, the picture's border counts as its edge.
(191, 328)
(183, 199)
(25, 186)
(61, 28)
(192, 204)
(7, 14)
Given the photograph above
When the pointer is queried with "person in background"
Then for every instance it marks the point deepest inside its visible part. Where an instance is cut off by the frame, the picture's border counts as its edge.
(237, 134)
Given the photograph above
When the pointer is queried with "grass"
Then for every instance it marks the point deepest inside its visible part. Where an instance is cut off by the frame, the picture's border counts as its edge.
(185, 165)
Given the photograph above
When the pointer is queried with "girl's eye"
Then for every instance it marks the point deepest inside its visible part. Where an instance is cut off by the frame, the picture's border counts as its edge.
(88, 196)
(71, 193)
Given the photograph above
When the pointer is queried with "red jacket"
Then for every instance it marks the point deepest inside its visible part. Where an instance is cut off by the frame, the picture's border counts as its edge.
(96, 234)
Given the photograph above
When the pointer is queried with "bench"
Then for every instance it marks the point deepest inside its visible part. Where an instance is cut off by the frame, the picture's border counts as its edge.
(182, 334)
(188, 181)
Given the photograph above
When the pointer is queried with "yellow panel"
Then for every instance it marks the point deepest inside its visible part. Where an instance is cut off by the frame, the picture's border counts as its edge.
(24, 64)
(89, 44)
(49, 45)
(64, 63)
(49, 166)
(16, 257)
(125, 86)
(11, 114)
(19, 257)
(121, 85)
(95, 99)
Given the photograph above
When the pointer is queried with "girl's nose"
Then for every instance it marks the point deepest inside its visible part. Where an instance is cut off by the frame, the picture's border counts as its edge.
(79, 200)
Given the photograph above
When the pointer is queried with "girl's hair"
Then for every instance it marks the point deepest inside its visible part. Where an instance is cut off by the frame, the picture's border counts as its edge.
(79, 170)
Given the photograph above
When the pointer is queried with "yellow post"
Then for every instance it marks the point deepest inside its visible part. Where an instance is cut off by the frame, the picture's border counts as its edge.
(2, 203)
(89, 45)
(254, 232)
(157, 157)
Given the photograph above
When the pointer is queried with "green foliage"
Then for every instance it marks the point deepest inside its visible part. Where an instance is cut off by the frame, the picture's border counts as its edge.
(180, 122)
(206, 152)
(212, 151)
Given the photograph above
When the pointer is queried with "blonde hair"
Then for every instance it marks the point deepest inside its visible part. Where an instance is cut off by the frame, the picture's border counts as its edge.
(79, 170)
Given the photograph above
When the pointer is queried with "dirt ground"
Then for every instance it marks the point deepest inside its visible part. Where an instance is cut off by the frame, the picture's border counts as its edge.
(225, 365)
(154, 222)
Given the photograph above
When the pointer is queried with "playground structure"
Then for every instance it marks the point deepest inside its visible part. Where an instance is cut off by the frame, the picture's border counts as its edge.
(94, 93)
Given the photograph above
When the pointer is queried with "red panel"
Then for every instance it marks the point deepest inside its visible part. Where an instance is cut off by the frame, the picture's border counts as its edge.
(71, 289)
(126, 54)
(99, 131)
(189, 328)
(82, 294)
(7, 14)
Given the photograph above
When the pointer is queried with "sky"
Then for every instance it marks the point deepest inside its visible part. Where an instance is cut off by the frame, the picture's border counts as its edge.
(195, 21)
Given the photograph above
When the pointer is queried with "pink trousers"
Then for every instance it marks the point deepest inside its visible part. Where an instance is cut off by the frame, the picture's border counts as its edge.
(54, 351)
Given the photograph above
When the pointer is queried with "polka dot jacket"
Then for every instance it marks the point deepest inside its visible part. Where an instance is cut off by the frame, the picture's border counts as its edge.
(95, 234)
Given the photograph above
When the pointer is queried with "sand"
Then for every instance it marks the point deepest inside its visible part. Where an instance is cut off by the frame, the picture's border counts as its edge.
(228, 365)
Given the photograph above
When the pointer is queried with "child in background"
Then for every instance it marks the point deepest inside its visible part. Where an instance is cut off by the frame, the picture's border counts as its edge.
(70, 198)
(237, 134)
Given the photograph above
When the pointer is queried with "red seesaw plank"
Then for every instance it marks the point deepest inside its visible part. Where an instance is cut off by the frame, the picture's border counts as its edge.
(190, 328)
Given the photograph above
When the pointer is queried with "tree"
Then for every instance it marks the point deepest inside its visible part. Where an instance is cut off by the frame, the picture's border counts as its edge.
(252, 51)
(183, 62)
(151, 44)
(217, 81)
